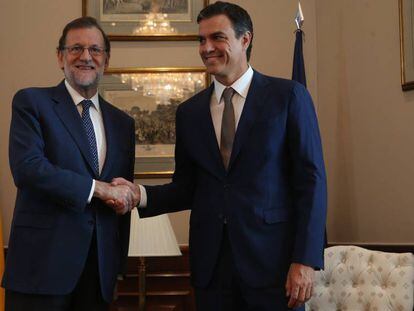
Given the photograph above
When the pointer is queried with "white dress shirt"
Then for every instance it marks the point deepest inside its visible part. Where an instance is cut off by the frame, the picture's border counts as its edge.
(241, 87)
(98, 126)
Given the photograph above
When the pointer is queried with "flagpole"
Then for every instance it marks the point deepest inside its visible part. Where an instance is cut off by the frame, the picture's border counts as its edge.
(299, 18)
(298, 72)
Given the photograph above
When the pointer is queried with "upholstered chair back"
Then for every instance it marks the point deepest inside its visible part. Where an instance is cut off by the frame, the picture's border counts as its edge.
(357, 279)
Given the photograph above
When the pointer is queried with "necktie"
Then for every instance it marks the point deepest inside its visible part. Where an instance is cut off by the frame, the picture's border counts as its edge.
(228, 127)
(90, 133)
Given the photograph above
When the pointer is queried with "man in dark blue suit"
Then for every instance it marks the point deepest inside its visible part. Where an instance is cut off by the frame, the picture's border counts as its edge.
(66, 245)
(249, 165)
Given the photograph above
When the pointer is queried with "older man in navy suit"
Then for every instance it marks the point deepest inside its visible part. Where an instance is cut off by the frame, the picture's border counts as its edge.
(66, 245)
(249, 165)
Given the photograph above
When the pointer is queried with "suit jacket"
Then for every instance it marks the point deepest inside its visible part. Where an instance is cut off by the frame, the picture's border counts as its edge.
(51, 164)
(273, 196)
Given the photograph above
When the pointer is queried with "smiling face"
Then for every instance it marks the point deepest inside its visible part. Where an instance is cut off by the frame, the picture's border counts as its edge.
(83, 71)
(222, 53)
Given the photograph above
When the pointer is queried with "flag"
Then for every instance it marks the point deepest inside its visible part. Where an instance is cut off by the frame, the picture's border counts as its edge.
(1, 267)
(298, 72)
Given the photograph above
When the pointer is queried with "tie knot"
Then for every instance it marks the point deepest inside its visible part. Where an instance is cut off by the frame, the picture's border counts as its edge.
(228, 94)
(86, 104)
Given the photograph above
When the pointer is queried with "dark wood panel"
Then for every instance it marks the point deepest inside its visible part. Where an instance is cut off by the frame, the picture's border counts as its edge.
(180, 263)
(167, 283)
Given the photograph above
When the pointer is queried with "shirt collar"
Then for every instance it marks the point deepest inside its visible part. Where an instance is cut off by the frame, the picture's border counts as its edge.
(241, 85)
(77, 98)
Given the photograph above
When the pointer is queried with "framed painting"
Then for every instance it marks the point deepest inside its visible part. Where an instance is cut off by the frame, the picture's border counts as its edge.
(151, 96)
(406, 8)
(154, 20)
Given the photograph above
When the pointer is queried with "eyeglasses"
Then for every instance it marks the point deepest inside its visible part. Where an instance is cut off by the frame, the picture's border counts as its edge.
(77, 50)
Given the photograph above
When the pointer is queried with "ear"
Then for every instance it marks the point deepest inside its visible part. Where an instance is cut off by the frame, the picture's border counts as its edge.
(60, 59)
(246, 40)
(107, 61)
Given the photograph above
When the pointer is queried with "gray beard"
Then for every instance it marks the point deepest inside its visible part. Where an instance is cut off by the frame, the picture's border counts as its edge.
(78, 84)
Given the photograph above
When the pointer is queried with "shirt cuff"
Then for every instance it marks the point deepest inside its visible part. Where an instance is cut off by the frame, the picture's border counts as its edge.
(143, 201)
(92, 191)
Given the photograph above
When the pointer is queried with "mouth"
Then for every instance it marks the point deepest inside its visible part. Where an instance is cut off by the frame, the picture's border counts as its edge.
(211, 57)
(85, 67)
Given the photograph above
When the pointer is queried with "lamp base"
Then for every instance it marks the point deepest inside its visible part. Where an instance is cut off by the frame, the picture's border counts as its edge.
(142, 291)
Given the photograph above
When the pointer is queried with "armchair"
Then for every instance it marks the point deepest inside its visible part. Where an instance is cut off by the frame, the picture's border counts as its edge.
(357, 279)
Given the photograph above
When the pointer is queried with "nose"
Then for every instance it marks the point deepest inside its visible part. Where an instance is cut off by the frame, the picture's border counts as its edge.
(206, 47)
(85, 55)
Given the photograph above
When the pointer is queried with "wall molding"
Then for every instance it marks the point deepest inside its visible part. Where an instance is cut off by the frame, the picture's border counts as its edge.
(383, 247)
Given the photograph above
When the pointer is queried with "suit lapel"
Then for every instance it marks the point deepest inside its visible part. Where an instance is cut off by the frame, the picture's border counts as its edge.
(207, 136)
(254, 100)
(70, 117)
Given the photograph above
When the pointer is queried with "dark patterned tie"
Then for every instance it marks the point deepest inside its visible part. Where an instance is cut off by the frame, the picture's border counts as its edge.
(90, 133)
(228, 127)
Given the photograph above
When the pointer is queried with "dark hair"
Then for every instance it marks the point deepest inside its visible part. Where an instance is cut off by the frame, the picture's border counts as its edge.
(238, 16)
(83, 22)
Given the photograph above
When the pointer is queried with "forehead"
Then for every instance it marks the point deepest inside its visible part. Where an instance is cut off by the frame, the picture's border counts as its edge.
(84, 36)
(214, 24)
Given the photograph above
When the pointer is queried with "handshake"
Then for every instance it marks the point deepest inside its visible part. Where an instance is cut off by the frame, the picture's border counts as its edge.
(121, 195)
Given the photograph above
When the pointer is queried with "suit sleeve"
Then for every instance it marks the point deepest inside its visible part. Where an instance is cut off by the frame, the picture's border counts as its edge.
(308, 179)
(177, 195)
(29, 165)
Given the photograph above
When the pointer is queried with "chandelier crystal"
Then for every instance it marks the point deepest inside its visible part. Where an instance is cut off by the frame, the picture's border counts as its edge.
(155, 23)
(165, 87)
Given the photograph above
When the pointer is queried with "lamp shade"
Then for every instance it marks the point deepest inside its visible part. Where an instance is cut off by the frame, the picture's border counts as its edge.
(152, 237)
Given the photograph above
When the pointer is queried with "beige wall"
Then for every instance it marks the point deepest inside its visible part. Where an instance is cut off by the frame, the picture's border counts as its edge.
(352, 57)
(366, 122)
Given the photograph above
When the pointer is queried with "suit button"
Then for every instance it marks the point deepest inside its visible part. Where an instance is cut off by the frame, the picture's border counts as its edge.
(226, 187)
(91, 222)
(220, 216)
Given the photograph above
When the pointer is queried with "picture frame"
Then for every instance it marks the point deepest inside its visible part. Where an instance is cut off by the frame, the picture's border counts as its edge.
(136, 20)
(151, 96)
(406, 11)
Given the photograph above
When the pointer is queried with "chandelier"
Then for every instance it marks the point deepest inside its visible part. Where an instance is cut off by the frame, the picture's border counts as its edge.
(154, 23)
(165, 87)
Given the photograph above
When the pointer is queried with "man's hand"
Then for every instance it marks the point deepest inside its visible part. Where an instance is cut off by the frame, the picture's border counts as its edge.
(120, 197)
(119, 181)
(299, 284)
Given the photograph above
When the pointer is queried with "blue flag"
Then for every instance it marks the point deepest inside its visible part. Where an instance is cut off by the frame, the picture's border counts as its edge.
(298, 72)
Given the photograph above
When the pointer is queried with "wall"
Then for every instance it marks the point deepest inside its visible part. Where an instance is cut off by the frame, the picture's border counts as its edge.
(366, 122)
(29, 31)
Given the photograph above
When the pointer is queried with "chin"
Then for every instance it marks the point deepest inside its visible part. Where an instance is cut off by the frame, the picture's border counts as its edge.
(86, 81)
(213, 70)
(86, 84)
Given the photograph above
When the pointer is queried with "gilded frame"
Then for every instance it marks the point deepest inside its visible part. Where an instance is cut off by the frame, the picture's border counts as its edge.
(121, 30)
(155, 137)
(406, 11)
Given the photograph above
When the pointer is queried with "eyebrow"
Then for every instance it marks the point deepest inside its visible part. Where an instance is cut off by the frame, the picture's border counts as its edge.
(212, 34)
